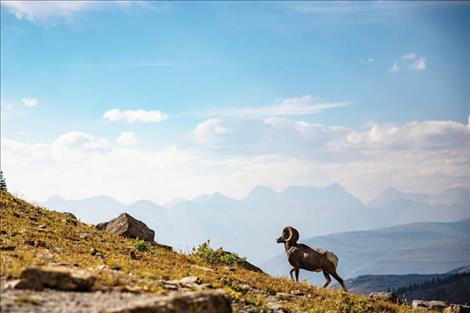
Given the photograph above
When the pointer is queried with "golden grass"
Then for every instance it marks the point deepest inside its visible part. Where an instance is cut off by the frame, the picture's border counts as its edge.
(42, 237)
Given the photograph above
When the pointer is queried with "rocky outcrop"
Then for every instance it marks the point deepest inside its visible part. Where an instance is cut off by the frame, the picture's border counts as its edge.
(430, 305)
(384, 296)
(58, 278)
(248, 266)
(191, 302)
(243, 264)
(127, 226)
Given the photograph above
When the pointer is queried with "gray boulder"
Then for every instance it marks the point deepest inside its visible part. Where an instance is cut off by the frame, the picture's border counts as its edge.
(127, 226)
(384, 296)
(191, 302)
(430, 305)
(58, 278)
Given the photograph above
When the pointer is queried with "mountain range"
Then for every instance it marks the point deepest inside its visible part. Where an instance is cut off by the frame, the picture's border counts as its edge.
(250, 225)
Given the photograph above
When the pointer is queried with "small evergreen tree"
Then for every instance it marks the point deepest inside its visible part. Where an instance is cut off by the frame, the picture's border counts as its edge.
(3, 183)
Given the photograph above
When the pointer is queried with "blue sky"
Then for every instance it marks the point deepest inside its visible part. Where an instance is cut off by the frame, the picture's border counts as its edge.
(241, 93)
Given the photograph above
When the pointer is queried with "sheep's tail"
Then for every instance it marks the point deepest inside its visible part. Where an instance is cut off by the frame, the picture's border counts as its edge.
(332, 258)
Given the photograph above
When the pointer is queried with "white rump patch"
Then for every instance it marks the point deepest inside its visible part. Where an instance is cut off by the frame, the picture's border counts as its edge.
(329, 255)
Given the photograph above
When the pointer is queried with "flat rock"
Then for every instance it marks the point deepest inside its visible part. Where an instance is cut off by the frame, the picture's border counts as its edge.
(186, 282)
(384, 296)
(53, 301)
(430, 305)
(191, 302)
(127, 226)
(59, 278)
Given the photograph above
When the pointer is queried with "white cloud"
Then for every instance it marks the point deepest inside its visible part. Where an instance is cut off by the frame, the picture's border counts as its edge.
(395, 68)
(135, 116)
(208, 132)
(304, 105)
(52, 11)
(37, 11)
(424, 156)
(424, 136)
(126, 139)
(81, 141)
(30, 102)
(409, 56)
(419, 64)
(367, 61)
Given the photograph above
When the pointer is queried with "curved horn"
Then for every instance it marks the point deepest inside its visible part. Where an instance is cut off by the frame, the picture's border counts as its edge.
(289, 231)
(293, 234)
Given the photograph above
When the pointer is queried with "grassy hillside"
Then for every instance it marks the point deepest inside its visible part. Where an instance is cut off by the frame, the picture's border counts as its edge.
(42, 237)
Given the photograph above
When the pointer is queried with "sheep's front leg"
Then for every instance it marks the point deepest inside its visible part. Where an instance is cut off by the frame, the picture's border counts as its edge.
(297, 274)
(291, 275)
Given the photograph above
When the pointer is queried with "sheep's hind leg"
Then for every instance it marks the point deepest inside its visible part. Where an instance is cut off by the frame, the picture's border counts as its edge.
(339, 279)
(291, 275)
(328, 279)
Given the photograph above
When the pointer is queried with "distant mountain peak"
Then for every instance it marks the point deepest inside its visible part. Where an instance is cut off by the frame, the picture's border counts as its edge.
(335, 186)
(208, 197)
(55, 198)
(452, 196)
(392, 190)
(174, 202)
(261, 192)
(143, 203)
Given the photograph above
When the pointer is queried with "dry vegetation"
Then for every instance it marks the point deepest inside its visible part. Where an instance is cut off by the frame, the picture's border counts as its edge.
(42, 237)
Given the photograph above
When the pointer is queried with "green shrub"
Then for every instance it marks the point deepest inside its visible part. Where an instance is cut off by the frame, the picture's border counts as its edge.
(205, 252)
(141, 245)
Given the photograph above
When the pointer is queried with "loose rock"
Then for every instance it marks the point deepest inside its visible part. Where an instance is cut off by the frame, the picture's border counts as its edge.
(192, 302)
(59, 278)
(384, 296)
(430, 305)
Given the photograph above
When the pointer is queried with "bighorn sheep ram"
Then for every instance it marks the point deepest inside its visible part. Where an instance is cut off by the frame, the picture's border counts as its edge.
(301, 256)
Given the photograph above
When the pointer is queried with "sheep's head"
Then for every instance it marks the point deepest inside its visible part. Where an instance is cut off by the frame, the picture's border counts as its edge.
(289, 234)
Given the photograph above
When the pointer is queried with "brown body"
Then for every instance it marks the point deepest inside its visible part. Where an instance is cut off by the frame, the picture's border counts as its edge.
(301, 256)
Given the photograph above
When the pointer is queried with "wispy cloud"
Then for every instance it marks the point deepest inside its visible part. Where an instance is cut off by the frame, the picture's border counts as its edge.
(409, 56)
(305, 105)
(51, 11)
(419, 64)
(135, 116)
(125, 65)
(367, 61)
(30, 102)
(395, 68)
(37, 11)
(412, 60)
